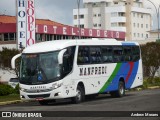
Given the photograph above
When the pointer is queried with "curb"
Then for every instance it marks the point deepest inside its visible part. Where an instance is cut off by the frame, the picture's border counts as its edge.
(154, 87)
(10, 102)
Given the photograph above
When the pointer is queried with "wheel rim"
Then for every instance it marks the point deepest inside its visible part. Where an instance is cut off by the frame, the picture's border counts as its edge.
(121, 89)
(78, 96)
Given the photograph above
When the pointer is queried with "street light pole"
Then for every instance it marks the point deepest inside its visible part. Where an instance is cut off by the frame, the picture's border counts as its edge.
(79, 29)
(157, 12)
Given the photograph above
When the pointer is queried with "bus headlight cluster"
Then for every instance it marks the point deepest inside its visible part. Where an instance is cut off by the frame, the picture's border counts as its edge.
(56, 85)
(22, 89)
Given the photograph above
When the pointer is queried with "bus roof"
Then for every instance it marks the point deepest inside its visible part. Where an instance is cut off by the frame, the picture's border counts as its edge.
(61, 44)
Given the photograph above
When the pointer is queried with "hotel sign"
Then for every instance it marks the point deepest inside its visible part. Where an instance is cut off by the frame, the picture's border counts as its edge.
(21, 23)
(74, 31)
(25, 23)
(30, 23)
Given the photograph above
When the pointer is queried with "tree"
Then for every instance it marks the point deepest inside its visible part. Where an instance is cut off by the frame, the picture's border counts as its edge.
(150, 58)
(5, 59)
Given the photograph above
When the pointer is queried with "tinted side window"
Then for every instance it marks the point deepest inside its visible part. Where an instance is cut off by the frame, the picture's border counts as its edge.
(107, 54)
(127, 50)
(83, 55)
(136, 53)
(118, 54)
(68, 59)
(95, 55)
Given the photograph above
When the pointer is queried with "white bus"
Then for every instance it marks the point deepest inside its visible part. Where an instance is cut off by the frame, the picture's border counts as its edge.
(76, 68)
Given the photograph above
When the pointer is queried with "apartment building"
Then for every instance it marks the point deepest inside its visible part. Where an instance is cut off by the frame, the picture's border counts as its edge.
(129, 16)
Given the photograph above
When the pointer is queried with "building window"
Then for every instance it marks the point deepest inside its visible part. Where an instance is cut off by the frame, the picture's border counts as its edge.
(113, 14)
(121, 14)
(82, 26)
(9, 36)
(146, 25)
(134, 34)
(75, 16)
(142, 35)
(115, 3)
(94, 15)
(141, 25)
(137, 34)
(81, 16)
(38, 37)
(146, 35)
(99, 15)
(6, 37)
(138, 25)
(48, 37)
(95, 25)
(99, 25)
(0, 37)
(134, 24)
(113, 24)
(141, 15)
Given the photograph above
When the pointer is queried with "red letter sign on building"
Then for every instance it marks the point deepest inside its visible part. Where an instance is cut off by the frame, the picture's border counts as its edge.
(25, 23)
(30, 23)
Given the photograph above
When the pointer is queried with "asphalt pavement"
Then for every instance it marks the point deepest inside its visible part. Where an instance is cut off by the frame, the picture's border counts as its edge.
(135, 105)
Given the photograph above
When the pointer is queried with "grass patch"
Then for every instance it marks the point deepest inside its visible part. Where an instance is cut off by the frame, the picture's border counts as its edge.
(10, 97)
(148, 83)
(151, 82)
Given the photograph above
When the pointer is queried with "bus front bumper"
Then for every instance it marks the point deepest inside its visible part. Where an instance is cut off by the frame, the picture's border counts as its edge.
(54, 94)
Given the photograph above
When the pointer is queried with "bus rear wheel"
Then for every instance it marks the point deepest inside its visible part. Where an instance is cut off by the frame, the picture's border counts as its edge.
(79, 95)
(121, 90)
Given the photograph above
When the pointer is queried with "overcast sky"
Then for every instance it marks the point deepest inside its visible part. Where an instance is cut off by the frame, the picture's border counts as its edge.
(56, 10)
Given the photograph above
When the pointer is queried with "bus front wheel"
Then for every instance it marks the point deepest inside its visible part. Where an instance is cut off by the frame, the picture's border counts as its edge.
(79, 95)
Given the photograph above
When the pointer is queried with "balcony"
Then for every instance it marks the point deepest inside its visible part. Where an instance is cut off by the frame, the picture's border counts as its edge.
(118, 19)
(123, 29)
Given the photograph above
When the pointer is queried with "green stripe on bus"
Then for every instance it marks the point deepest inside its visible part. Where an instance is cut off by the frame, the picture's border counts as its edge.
(111, 77)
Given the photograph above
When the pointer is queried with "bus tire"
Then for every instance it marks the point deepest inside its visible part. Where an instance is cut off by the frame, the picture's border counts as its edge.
(79, 96)
(121, 90)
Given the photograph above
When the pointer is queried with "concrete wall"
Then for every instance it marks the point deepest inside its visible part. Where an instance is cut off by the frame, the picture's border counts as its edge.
(10, 46)
(5, 75)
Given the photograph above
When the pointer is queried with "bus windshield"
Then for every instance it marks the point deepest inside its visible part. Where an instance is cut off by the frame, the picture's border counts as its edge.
(39, 68)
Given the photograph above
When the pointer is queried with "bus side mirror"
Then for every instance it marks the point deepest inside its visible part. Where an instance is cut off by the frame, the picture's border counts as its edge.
(14, 60)
(60, 56)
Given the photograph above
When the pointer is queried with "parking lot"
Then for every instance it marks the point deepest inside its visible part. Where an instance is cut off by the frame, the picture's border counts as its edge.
(134, 102)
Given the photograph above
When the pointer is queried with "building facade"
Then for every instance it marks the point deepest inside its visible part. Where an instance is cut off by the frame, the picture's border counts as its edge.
(47, 30)
(128, 16)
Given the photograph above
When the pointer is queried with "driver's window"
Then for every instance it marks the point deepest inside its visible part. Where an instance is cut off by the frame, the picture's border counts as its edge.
(68, 59)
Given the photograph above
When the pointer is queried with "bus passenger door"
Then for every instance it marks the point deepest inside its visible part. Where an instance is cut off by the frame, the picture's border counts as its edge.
(67, 68)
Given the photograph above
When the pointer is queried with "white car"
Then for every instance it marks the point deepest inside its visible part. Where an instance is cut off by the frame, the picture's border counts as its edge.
(13, 82)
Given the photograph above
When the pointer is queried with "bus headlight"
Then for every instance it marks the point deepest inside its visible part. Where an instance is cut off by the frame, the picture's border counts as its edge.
(56, 85)
(22, 89)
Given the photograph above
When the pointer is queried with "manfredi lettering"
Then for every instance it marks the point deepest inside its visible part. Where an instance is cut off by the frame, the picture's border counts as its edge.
(85, 71)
